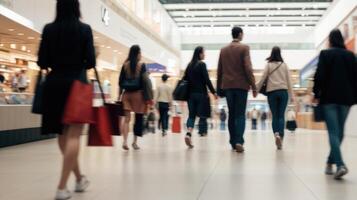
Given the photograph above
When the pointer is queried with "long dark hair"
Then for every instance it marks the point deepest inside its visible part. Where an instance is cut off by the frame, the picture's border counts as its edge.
(196, 55)
(336, 39)
(275, 55)
(133, 57)
(67, 10)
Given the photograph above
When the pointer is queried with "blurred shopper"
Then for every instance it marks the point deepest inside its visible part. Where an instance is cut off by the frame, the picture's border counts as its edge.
(254, 115)
(279, 89)
(22, 81)
(67, 48)
(164, 100)
(15, 82)
(223, 118)
(199, 102)
(263, 118)
(2, 81)
(132, 92)
(291, 124)
(335, 89)
(151, 119)
(234, 79)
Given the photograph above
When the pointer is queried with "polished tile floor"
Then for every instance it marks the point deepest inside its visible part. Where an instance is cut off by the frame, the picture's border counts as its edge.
(166, 170)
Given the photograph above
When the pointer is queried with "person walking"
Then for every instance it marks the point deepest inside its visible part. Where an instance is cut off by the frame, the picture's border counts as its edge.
(335, 89)
(291, 124)
(279, 88)
(254, 115)
(67, 48)
(234, 79)
(132, 91)
(223, 118)
(198, 102)
(164, 101)
(263, 118)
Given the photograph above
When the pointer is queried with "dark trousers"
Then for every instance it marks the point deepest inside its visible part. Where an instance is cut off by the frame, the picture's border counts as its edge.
(254, 124)
(164, 115)
(278, 101)
(139, 125)
(237, 104)
(335, 118)
(196, 108)
(203, 126)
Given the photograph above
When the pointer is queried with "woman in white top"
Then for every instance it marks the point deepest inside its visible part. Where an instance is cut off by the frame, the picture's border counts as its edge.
(279, 89)
(164, 99)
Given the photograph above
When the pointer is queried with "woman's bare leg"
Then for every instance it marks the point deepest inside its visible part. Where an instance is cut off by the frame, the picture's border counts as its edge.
(125, 128)
(62, 146)
(70, 153)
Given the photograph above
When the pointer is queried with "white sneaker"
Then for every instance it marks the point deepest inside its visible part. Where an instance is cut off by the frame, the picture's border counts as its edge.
(341, 171)
(63, 195)
(82, 185)
(329, 170)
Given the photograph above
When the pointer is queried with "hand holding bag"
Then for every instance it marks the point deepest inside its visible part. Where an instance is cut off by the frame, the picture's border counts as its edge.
(37, 100)
(79, 106)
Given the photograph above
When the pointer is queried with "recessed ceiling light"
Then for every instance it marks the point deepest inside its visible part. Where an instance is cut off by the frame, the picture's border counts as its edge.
(108, 47)
(96, 37)
(28, 51)
(13, 46)
(115, 51)
(23, 48)
(20, 34)
(1, 45)
(31, 38)
(11, 29)
(120, 53)
(102, 46)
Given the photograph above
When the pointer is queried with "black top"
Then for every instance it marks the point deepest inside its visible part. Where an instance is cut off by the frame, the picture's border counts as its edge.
(198, 78)
(124, 75)
(67, 46)
(336, 77)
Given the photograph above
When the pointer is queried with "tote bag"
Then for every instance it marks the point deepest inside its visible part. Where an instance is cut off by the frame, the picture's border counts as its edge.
(37, 100)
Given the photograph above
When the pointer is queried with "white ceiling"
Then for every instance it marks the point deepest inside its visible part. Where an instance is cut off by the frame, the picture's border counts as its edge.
(295, 14)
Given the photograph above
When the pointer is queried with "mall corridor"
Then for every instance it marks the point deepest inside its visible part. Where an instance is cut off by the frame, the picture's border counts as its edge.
(178, 99)
(166, 169)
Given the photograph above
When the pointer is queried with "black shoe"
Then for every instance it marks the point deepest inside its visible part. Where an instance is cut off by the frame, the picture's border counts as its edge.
(188, 140)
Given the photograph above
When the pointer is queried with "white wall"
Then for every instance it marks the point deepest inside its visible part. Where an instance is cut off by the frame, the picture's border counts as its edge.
(335, 15)
(41, 12)
(296, 59)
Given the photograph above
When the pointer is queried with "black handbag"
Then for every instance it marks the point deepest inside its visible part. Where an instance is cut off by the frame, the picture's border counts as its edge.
(318, 113)
(37, 99)
(181, 91)
(263, 89)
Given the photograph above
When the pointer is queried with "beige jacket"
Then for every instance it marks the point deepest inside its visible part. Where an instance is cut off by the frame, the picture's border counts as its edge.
(278, 80)
(164, 93)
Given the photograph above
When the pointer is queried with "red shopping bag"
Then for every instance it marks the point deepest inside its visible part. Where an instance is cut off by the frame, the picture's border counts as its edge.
(100, 132)
(79, 106)
(176, 124)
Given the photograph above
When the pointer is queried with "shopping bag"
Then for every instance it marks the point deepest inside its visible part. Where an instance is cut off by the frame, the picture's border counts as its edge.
(318, 114)
(37, 100)
(100, 132)
(79, 106)
(116, 111)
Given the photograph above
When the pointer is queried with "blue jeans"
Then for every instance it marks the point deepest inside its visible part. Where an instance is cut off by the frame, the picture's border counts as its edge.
(278, 101)
(194, 103)
(237, 104)
(335, 118)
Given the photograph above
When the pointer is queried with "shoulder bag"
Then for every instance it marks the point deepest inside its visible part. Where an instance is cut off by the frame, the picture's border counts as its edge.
(263, 89)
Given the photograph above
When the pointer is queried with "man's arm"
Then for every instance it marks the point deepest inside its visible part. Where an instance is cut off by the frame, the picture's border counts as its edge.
(248, 69)
(219, 76)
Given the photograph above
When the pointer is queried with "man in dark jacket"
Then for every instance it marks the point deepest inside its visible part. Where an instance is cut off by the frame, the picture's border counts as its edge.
(235, 79)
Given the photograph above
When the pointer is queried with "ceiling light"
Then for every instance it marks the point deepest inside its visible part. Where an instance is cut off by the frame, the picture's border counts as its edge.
(187, 9)
(1, 45)
(31, 38)
(108, 47)
(120, 53)
(13, 46)
(23, 48)
(96, 37)
(115, 51)
(11, 29)
(20, 34)
(102, 46)
(28, 51)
